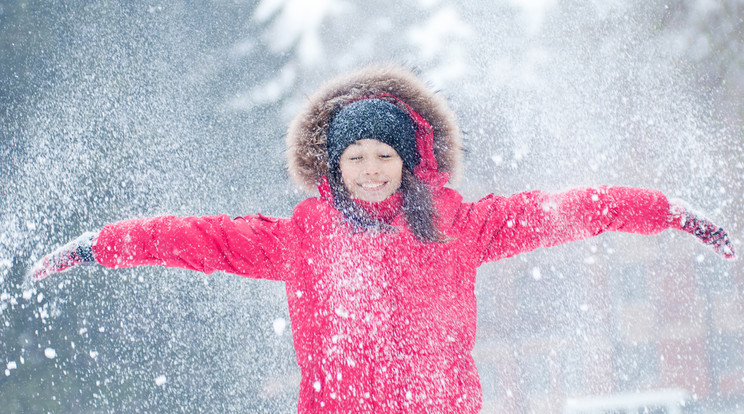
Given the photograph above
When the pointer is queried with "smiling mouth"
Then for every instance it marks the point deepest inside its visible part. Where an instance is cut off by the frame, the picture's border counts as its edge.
(372, 186)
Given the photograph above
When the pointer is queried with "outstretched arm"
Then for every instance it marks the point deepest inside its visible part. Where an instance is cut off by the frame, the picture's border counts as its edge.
(527, 221)
(253, 246)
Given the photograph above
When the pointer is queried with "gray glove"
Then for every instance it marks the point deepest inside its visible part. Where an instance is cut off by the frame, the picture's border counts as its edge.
(71, 254)
(684, 218)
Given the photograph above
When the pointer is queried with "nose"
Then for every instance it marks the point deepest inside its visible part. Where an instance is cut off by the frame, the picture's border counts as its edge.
(371, 167)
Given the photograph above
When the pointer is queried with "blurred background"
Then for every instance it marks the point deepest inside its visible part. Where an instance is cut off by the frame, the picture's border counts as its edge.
(113, 110)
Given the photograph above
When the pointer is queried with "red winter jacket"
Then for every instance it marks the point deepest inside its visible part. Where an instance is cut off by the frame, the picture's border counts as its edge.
(382, 323)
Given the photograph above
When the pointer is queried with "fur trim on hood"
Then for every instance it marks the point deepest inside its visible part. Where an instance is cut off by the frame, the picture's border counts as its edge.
(306, 137)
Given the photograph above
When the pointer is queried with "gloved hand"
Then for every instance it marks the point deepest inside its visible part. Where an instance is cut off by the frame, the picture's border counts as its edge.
(72, 254)
(684, 218)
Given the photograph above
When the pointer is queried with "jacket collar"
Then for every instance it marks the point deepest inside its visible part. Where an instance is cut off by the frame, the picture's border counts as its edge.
(385, 210)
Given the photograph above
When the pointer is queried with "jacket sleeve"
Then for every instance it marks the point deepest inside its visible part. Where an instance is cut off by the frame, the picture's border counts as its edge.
(254, 246)
(523, 222)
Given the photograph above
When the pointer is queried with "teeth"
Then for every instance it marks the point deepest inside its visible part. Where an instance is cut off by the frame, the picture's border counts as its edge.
(372, 185)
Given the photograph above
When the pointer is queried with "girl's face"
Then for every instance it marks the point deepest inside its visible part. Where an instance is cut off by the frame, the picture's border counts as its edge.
(371, 170)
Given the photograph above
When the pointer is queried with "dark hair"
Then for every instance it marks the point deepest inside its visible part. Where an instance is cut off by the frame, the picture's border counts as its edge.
(418, 207)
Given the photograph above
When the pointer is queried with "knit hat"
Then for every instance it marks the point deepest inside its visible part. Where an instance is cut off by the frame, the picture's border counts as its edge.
(372, 119)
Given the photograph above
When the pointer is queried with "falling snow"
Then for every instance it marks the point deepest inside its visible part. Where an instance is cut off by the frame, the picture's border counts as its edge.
(114, 111)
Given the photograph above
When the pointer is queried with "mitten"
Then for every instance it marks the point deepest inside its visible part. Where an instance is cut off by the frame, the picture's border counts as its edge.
(682, 217)
(72, 254)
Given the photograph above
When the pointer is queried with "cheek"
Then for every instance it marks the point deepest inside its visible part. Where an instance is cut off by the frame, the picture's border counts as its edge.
(348, 169)
(348, 175)
(395, 172)
(348, 181)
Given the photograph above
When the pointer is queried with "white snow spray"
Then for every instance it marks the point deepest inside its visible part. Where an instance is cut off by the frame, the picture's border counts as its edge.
(116, 111)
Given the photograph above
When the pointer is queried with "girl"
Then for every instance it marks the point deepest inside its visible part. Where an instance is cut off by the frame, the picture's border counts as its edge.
(380, 268)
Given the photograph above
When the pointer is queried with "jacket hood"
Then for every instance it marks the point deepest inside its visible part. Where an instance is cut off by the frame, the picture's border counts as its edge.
(307, 155)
